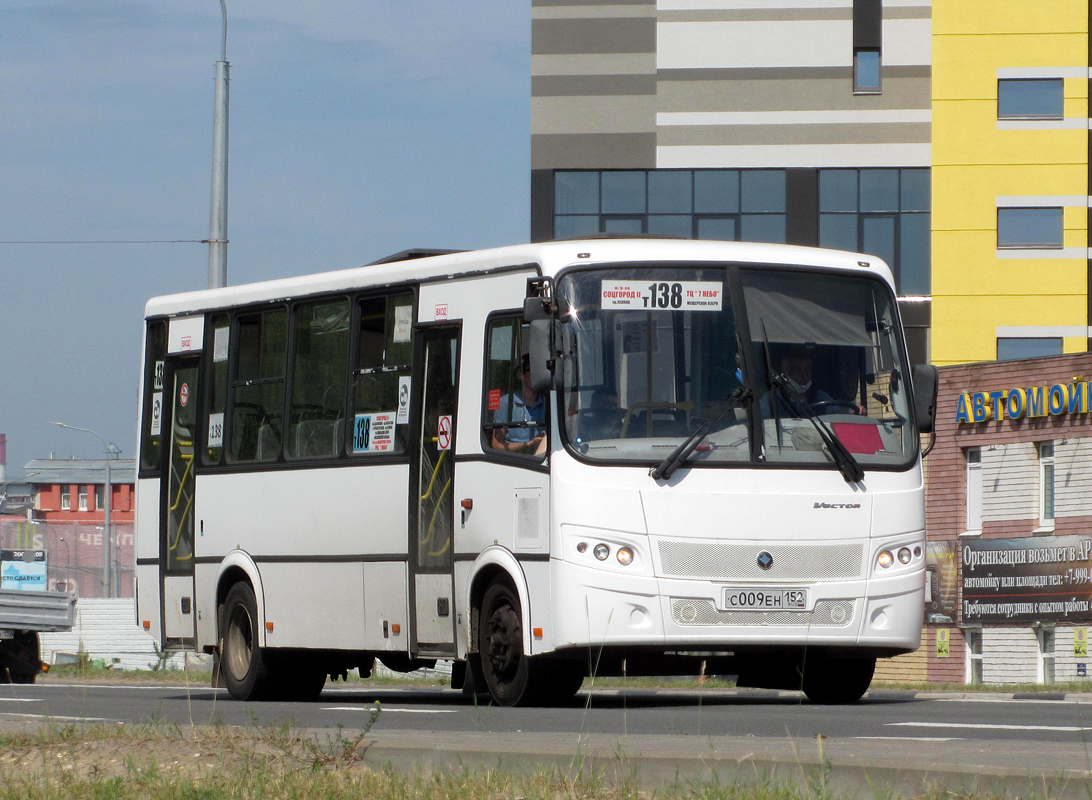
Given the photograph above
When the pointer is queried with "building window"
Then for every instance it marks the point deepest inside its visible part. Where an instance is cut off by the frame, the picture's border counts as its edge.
(1010, 349)
(729, 204)
(883, 212)
(83, 498)
(100, 498)
(66, 498)
(1029, 228)
(1030, 98)
(866, 71)
(974, 490)
(973, 638)
(1046, 485)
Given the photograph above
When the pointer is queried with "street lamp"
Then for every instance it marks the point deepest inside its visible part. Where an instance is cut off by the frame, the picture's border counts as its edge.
(108, 575)
(218, 240)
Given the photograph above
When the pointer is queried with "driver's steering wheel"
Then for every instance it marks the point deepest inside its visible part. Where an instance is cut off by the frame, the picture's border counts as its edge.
(822, 406)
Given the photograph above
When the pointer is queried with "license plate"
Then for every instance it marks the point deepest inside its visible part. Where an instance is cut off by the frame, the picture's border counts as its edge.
(6, 634)
(736, 599)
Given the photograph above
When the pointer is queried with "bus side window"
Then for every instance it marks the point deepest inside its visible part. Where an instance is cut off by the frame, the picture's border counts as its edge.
(151, 426)
(258, 390)
(320, 359)
(513, 414)
(381, 376)
(220, 334)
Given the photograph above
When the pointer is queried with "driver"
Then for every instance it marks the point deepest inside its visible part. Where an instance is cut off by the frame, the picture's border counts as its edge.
(795, 365)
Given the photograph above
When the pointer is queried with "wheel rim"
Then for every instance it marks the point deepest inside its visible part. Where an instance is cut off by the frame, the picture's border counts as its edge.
(238, 643)
(505, 643)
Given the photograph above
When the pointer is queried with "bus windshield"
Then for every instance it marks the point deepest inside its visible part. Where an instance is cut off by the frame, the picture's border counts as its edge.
(656, 354)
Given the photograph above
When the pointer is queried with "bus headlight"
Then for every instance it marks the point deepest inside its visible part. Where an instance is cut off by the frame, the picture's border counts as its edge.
(624, 556)
(904, 555)
(601, 551)
(885, 559)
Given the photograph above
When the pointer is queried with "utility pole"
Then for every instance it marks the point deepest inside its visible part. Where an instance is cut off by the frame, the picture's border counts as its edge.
(218, 240)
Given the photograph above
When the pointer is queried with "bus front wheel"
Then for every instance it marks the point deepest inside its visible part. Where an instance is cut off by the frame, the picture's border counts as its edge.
(505, 667)
(245, 671)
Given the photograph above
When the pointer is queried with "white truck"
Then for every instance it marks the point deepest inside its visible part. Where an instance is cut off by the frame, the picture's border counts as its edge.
(23, 615)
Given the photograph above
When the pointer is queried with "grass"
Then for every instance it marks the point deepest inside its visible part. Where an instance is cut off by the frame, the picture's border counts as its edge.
(275, 763)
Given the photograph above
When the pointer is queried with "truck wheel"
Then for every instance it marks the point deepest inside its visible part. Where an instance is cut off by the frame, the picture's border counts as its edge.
(245, 671)
(28, 641)
(834, 681)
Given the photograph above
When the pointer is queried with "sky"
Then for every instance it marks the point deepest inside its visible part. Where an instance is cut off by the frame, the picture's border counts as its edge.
(358, 128)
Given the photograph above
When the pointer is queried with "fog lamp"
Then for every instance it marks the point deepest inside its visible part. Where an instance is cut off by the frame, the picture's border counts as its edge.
(904, 555)
(601, 551)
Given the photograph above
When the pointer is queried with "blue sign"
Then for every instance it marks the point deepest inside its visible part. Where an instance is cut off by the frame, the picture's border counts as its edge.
(23, 569)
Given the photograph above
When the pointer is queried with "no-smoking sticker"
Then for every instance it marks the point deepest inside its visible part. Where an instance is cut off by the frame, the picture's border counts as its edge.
(184, 394)
(443, 433)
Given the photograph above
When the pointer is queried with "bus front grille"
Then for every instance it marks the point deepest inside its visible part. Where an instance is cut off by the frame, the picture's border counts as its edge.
(796, 561)
(827, 613)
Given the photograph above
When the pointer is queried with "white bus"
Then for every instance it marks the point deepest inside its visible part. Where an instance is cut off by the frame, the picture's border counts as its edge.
(543, 462)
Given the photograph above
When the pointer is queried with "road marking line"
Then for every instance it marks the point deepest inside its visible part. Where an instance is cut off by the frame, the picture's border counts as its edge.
(58, 716)
(388, 710)
(982, 726)
(912, 738)
(20, 699)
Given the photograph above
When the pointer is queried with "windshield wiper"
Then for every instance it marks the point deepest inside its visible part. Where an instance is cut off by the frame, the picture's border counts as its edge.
(680, 454)
(847, 465)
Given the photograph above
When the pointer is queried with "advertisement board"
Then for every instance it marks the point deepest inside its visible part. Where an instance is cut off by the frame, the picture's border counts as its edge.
(1032, 579)
(23, 569)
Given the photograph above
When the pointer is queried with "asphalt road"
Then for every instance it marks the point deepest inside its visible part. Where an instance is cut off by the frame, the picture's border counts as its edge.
(890, 738)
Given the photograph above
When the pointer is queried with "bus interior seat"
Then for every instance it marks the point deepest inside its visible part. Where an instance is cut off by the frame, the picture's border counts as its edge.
(318, 437)
(269, 443)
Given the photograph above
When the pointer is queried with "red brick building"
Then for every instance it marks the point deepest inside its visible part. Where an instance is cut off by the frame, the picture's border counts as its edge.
(1009, 519)
(67, 521)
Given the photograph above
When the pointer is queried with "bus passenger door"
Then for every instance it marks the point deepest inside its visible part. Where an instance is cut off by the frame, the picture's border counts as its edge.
(177, 498)
(432, 508)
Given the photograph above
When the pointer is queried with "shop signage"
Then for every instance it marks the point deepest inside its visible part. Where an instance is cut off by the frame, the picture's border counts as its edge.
(1059, 399)
(1033, 579)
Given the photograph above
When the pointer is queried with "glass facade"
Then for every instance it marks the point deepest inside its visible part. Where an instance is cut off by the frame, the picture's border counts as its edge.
(746, 205)
(882, 212)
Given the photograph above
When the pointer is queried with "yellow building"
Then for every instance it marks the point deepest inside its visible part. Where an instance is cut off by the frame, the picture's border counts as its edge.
(1010, 182)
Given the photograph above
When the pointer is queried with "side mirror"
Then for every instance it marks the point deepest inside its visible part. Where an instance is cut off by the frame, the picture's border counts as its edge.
(926, 384)
(542, 354)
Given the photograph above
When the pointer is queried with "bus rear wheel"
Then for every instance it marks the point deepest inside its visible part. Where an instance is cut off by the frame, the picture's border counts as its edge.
(245, 671)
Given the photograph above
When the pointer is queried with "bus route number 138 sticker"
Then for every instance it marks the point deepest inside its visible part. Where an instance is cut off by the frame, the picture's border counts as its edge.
(663, 295)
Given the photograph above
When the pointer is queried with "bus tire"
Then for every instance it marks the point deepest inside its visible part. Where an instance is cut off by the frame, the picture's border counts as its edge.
(507, 672)
(245, 671)
(834, 681)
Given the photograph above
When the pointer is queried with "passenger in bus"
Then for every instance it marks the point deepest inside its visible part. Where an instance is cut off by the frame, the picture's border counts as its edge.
(795, 365)
(602, 419)
(527, 405)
